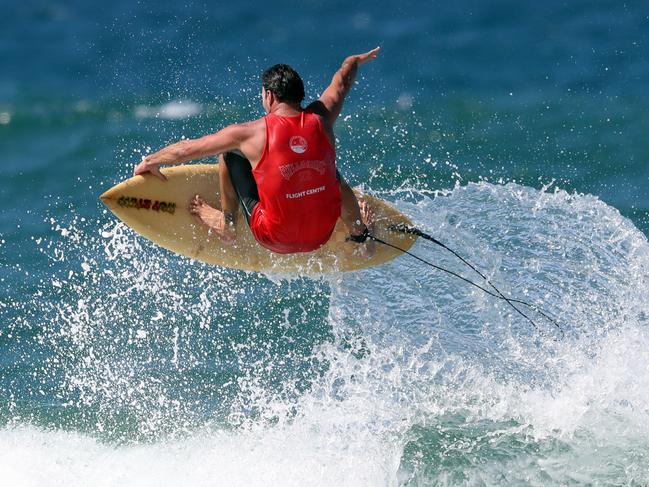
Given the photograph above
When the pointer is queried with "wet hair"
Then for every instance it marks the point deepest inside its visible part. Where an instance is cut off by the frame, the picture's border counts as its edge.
(284, 82)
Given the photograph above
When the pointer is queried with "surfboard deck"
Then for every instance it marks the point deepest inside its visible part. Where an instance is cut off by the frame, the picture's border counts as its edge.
(159, 211)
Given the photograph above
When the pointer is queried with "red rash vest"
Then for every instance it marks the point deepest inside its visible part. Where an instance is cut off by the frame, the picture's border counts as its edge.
(299, 195)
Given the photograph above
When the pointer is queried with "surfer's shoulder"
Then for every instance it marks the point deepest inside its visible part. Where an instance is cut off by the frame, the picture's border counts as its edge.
(318, 108)
(253, 125)
(246, 130)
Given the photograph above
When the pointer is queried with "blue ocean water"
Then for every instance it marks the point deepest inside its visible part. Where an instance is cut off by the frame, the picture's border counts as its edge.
(515, 132)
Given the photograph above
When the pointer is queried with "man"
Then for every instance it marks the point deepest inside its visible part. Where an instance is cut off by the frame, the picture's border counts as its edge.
(283, 172)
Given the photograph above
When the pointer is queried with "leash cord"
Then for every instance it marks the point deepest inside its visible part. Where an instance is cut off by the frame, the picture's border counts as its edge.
(415, 231)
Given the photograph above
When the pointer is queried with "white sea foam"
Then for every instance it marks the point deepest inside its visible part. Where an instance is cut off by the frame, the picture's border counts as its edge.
(285, 456)
(174, 110)
(423, 381)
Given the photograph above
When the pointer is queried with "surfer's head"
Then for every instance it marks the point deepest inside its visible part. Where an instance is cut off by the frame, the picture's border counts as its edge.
(284, 83)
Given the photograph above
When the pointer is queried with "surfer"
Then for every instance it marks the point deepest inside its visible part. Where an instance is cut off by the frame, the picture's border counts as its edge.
(280, 168)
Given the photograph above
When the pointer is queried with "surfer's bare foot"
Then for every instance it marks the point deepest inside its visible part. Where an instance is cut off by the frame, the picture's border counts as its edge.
(368, 248)
(213, 219)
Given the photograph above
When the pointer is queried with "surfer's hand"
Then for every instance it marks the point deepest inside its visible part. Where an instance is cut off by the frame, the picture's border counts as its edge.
(368, 56)
(145, 166)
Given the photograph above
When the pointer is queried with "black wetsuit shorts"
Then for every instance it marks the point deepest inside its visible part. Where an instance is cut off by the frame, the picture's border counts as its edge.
(243, 181)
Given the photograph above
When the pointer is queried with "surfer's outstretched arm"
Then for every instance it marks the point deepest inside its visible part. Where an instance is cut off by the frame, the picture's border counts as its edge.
(330, 103)
(227, 139)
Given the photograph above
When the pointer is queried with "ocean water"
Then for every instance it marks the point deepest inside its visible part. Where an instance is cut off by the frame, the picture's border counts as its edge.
(514, 132)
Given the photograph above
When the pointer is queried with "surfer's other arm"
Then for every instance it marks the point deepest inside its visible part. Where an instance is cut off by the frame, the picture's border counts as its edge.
(227, 139)
(331, 101)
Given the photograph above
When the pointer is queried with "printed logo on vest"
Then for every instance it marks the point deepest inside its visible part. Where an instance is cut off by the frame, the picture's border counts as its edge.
(298, 144)
(288, 170)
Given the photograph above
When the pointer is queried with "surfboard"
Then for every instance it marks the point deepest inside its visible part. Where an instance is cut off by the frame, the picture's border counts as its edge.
(159, 211)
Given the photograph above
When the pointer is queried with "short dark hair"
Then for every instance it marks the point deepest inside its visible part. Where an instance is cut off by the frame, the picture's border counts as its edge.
(284, 82)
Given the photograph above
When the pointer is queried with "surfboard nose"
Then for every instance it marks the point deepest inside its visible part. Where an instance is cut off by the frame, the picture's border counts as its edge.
(108, 195)
(109, 198)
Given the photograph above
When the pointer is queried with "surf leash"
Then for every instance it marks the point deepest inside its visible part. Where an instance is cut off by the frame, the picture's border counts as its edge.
(498, 294)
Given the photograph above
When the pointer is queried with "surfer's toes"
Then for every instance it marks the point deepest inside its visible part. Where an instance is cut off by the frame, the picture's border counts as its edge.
(368, 248)
(367, 214)
(195, 204)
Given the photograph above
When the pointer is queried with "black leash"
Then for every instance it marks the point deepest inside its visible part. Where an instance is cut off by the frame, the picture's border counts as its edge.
(415, 231)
